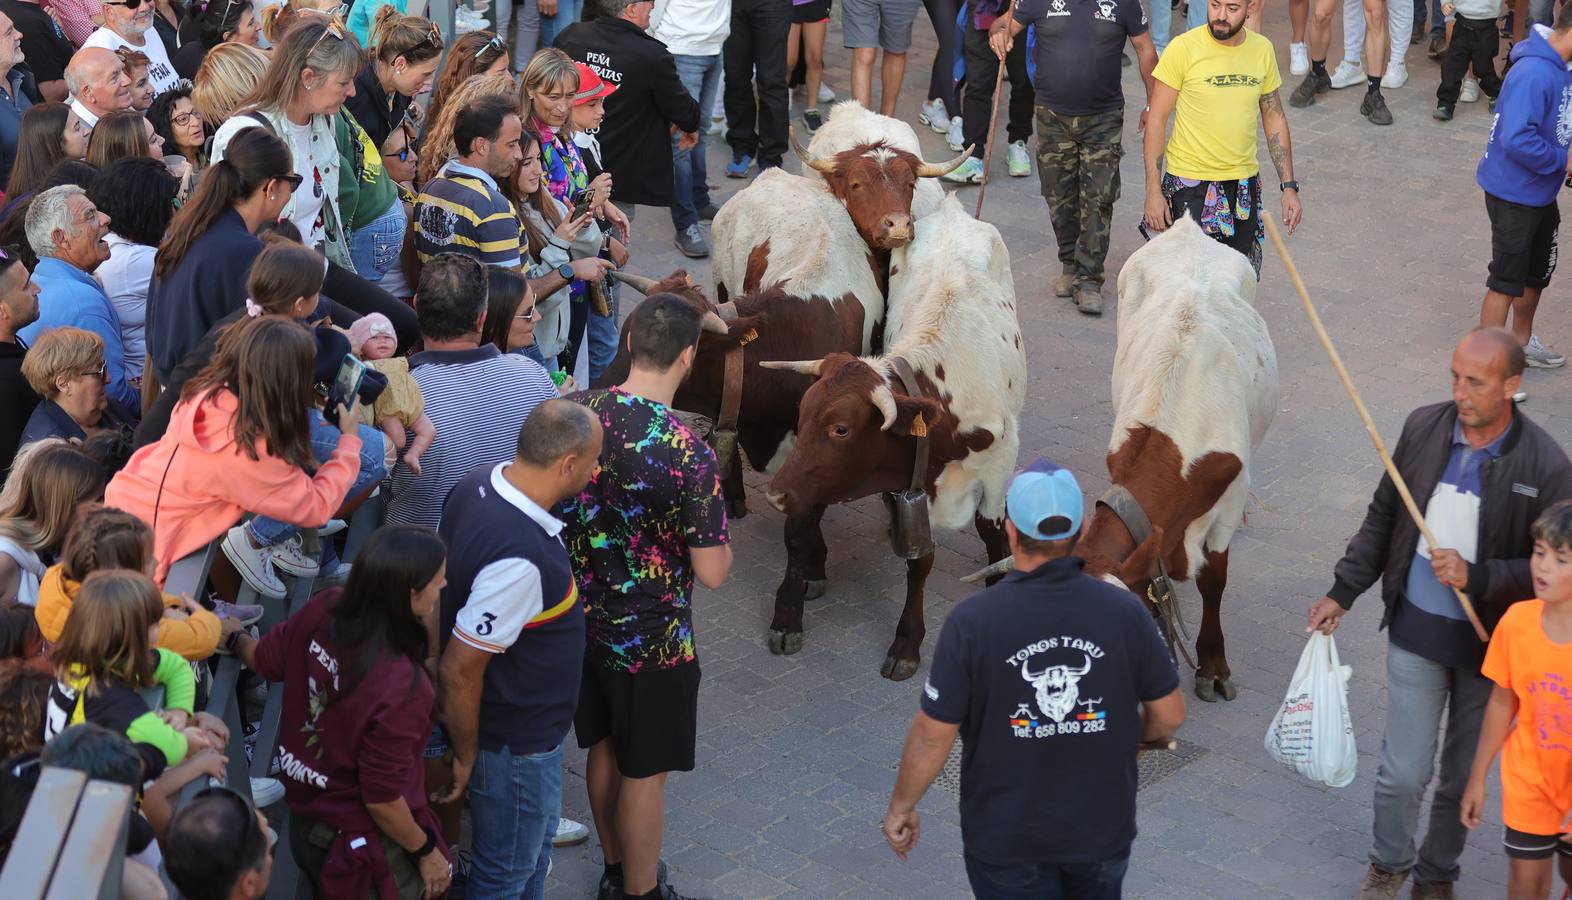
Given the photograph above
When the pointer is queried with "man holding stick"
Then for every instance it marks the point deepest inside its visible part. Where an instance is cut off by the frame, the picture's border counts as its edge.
(1047, 672)
(1483, 472)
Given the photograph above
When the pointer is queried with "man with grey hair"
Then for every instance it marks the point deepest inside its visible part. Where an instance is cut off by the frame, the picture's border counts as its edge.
(131, 25)
(67, 232)
(98, 84)
(513, 635)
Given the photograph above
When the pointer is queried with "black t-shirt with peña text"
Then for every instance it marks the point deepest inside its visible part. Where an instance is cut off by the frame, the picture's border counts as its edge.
(1044, 673)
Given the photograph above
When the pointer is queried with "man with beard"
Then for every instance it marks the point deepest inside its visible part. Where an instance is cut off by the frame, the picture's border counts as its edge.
(1217, 82)
(1483, 473)
(1047, 672)
(129, 23)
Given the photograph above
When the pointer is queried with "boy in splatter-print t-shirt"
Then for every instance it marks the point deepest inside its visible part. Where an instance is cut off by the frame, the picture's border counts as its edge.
(657, 494)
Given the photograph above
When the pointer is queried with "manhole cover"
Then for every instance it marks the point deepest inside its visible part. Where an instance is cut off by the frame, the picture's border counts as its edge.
(1151, 767)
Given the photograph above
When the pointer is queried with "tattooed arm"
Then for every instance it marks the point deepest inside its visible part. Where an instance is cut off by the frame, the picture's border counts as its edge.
(1280, 147)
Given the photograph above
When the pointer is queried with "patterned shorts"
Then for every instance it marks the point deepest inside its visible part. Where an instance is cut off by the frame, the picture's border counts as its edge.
(1228, 211)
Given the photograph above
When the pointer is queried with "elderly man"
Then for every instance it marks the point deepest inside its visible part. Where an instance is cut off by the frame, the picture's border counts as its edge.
(649, 106)
(44, 46)
(17, 92)
(1483, 472)
(131, 25)
(98, 84)
(67, 232)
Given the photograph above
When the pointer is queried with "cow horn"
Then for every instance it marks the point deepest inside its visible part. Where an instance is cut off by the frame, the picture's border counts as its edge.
(992, 569)
(828, 168)
(935, 170)
(637, 282)
(727, 311)
(714, 324)
(800, 366)
(884, 399)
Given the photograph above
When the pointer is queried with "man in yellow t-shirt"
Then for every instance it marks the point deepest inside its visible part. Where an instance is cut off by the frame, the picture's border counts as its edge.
(1217, 82)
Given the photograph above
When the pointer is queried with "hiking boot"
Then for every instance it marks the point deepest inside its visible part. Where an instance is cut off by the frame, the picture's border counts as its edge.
(1347, 74)
(1437, 46)
(569, 833)
(1433, 890)
(1380, 884)
(1064, 285)
(1304, 95)
(1539, 356)
(935, 116)
(739, 165)
(255, 564)
(969, 172)
(291, 559)
(1089, 299)
(812, 120)
(1374, 109)
(1443, 113)
(691, 242)
(1019, 161)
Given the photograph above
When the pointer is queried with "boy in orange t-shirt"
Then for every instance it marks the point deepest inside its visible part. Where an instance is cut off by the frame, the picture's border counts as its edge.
(1530, 661)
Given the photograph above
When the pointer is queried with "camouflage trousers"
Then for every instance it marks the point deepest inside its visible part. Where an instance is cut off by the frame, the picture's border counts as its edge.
(1078, 163)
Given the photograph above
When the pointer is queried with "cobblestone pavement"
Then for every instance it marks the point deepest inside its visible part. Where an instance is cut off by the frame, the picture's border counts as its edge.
(797, 754)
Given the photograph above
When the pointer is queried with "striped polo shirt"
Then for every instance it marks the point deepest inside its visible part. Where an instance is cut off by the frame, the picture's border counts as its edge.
(511, 594)
(462, 211)
(477, 399)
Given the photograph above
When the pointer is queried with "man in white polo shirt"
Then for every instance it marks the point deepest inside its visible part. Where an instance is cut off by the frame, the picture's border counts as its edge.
(129, 23)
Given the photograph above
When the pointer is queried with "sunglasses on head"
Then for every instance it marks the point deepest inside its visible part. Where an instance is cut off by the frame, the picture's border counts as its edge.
(494, 43)
(334, 27)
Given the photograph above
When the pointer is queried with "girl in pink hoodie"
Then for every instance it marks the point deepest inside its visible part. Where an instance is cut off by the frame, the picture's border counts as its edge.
(239, 441)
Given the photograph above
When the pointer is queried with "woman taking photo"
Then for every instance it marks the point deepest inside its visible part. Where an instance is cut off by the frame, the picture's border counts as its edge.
(49, 481)
(239, 441)
(311, 74)
(51, 132)
(357, 706)
(176, 119)
(401, 60)
(66, 369)
(138, 196)
(200, 270)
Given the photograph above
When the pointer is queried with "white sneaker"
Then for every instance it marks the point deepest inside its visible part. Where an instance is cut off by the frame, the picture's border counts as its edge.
(255, 564)
(969, 172)
(569, 833)
(266, 791)
(1469, 93)
(825, 94)
(1539, 356)
(935, 116)
(338, 574)
(1347, 75)
(1018, 161)
(291, 558)
(333, 526)
(717, 125)
(1396, 75)
(957, 136)
(1299, 59)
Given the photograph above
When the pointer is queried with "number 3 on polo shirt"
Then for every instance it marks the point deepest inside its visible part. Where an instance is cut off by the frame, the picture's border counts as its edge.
(504, 597)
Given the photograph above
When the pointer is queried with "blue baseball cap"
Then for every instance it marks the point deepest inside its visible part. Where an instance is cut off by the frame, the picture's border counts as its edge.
(1044, 502)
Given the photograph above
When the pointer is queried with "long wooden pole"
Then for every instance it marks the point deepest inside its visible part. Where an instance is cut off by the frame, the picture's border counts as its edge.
(993, 122)
(1364, 414)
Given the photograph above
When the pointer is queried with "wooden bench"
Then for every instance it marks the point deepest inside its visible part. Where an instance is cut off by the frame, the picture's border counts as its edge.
(71, 843)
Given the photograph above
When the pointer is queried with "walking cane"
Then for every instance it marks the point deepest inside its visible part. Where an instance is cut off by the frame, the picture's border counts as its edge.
(1359, 404)
(993, 122)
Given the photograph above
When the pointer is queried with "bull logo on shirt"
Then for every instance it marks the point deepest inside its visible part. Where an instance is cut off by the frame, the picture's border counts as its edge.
(1058, 687)
(1105, 10)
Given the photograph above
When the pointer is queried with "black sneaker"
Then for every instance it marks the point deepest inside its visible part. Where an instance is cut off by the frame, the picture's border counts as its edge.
(667, 892)
(1304, 94)
(1443, 113)
(1374, 109)
(611, 888)
(812, 120)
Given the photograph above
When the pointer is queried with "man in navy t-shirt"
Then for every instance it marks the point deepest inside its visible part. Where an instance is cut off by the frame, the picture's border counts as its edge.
(1052, 678)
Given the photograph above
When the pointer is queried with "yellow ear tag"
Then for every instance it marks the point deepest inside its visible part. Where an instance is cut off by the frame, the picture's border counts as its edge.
(919, 427)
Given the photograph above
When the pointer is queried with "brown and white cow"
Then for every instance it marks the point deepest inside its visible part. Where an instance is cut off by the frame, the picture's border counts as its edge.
(851, 126)
(952, 318)
(1194, 391)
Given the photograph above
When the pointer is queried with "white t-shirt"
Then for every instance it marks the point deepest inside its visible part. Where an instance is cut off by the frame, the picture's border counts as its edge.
(160, 71)
(311, 157)
(125, 276)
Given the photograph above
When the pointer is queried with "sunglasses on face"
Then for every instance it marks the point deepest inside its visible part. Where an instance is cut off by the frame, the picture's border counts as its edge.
(293, 180)
(128, 4)
(528, 314)
(494, 43)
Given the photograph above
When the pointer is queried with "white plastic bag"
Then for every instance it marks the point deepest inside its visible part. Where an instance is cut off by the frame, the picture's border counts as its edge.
(1312, 731)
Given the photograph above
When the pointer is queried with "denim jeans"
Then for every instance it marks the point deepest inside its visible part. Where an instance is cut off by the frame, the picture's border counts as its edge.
(514, 804)
(1161, 16)
(324, 439)
(690, 181)
(603, 334)
(1197, 13)
(1418, 692)
(1082, 881)
(568, 12)
(533, 352)
(374, 249)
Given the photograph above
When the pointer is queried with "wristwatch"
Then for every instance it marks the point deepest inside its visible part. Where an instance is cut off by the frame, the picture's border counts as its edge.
(566, 271)
(1288, 185)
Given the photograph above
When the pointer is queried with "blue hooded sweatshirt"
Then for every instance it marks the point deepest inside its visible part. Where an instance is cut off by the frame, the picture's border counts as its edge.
(1526, 159)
